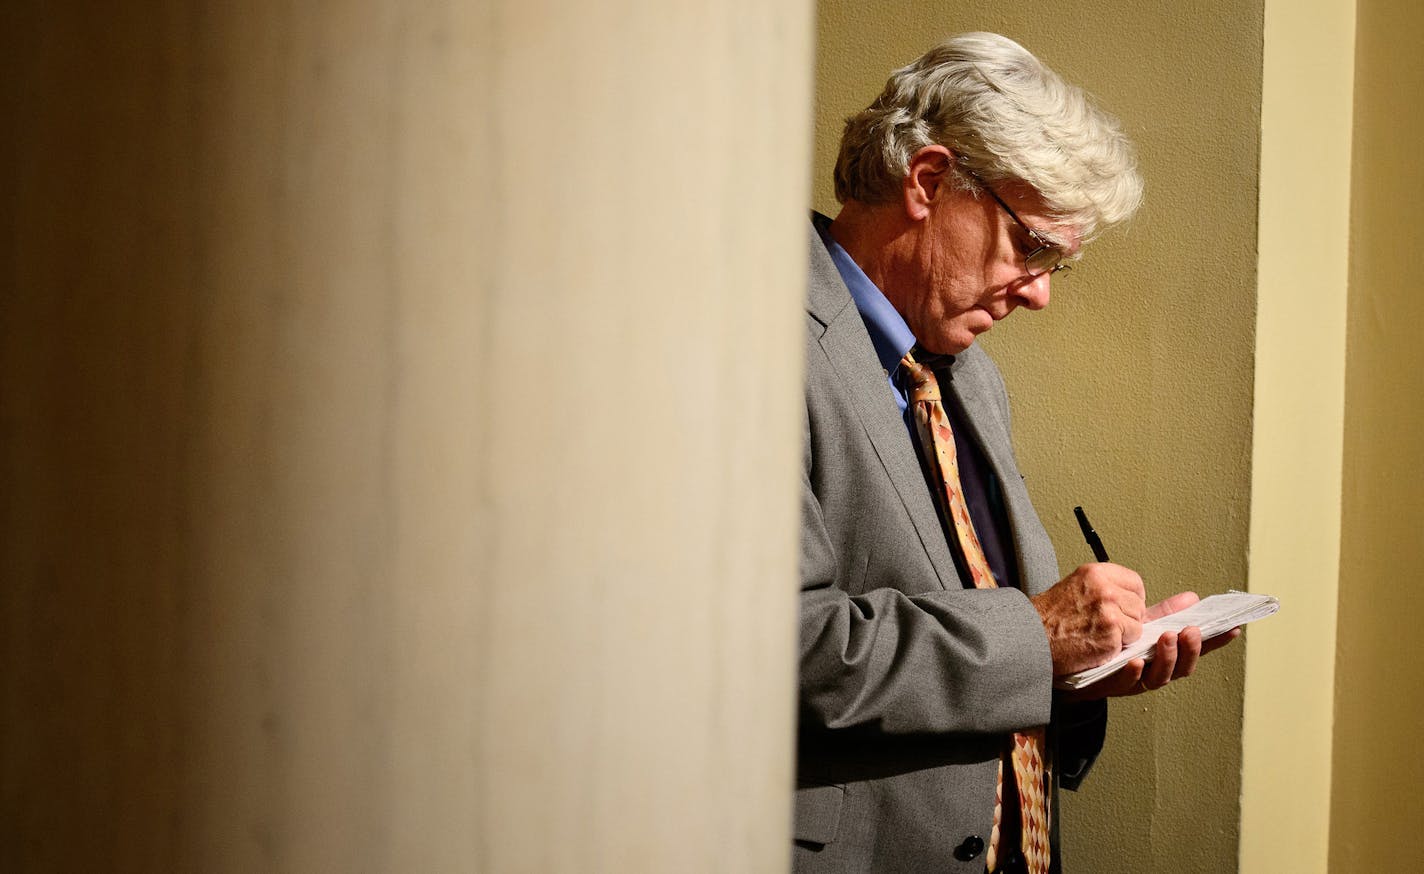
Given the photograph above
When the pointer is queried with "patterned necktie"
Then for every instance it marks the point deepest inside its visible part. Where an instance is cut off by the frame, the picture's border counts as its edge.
(1027, 755)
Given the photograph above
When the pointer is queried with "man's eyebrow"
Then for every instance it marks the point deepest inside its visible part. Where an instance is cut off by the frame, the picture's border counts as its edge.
(1057, 241)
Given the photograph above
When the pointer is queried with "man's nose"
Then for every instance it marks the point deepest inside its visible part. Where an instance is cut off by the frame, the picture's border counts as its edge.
(1033, 294)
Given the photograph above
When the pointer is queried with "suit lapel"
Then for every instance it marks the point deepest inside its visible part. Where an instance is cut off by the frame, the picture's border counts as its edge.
(847, 346)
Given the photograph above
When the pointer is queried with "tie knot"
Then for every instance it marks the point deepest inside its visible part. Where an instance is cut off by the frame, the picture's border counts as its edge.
(920, 379)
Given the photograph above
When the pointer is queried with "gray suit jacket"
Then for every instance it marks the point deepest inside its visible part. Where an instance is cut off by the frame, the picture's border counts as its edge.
(909, 680)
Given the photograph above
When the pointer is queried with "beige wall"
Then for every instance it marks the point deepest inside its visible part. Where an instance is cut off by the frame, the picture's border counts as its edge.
(398, 435)
(1132, 392)
(1378, 804)
(1299, 408)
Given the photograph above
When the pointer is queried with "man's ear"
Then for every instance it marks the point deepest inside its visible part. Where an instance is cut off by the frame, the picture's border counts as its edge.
(930, 170)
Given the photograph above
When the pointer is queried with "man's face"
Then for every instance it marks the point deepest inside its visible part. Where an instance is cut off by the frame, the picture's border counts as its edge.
(967, 268)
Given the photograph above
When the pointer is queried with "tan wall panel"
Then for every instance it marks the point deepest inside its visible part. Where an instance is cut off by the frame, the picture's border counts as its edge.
(1300, 370)
(400, 435)
(1132, 392)
(1376, 802)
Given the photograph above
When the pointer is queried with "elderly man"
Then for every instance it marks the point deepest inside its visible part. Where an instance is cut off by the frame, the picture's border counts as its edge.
(933, 619)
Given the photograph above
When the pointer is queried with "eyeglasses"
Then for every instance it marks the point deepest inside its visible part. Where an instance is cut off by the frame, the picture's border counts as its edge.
(1047, 257)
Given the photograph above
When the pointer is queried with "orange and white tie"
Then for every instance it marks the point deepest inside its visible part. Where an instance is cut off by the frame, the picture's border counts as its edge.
(1027, 755)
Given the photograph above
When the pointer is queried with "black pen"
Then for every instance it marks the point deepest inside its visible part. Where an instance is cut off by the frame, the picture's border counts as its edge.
(1094, 542)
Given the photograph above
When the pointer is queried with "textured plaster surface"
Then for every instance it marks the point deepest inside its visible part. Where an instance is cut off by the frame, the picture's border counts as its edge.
(1377, 803)
(1133, 391)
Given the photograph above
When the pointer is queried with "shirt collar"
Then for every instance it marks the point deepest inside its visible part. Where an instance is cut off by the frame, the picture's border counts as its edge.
(889, 334)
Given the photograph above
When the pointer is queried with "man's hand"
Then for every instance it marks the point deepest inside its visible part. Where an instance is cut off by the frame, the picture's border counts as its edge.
(1174, 657)
(1090, 614)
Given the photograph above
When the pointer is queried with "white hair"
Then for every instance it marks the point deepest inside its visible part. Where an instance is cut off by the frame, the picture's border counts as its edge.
(1008, 118)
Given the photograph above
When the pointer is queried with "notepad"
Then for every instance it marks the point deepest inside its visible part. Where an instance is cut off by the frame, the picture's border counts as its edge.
(1216, 614)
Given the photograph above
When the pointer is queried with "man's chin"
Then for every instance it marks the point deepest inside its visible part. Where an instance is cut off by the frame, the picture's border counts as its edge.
(959, 340)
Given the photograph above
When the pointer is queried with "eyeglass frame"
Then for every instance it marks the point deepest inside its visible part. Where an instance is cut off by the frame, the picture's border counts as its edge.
(1044, 244)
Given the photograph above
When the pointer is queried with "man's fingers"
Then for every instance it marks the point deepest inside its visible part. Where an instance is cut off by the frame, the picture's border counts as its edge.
(1174, 604)
(1131, 594)
(1131, 629)
(1220, 640)
(1189, 647)
(1164, 661)
(1174, 657)
(1112, 582)
(1132, 605)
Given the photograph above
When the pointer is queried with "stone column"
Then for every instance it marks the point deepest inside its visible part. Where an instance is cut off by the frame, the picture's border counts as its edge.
(399, 435)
